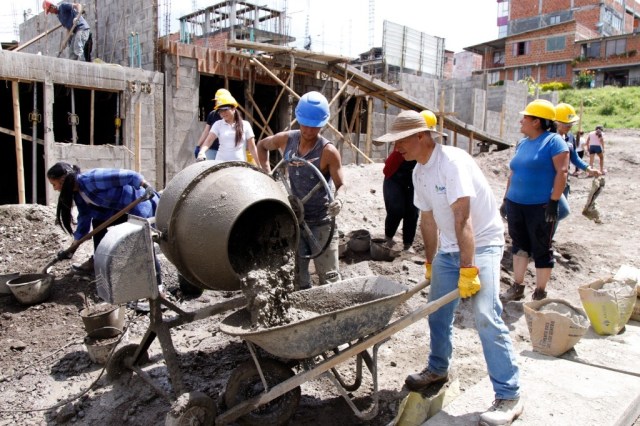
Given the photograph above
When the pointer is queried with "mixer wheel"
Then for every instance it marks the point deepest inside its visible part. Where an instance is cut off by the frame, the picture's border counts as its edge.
(191, 409)
(119, 366)
(245, 383)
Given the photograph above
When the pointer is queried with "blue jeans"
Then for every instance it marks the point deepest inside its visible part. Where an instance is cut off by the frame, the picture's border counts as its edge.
(494, 334)
(326, 262)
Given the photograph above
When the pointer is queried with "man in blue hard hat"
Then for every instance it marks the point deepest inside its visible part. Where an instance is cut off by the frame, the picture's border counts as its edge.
(312, 113)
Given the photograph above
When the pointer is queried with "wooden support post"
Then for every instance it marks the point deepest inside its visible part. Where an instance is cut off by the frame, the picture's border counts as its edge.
(92, 117)
(264, 120)
(369, 126)
(471, 142)
(17, 126)
(273, 109)
(138, 138)
(455, 139)
(358, 127)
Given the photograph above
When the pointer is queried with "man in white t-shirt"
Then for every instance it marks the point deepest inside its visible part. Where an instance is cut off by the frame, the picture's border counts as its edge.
(457, 204)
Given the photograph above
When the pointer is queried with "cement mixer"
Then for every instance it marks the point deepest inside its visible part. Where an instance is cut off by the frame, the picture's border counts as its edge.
(215, 222)
(218, 221)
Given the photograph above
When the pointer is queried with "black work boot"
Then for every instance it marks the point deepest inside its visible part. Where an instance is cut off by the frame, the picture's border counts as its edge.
(515, 292)
(421, 380)
(539, 294)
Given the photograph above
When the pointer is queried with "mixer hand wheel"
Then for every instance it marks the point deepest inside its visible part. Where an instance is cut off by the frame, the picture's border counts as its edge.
(297, 204)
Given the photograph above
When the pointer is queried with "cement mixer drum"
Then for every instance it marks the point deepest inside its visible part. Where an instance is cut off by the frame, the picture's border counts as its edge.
(218, 221)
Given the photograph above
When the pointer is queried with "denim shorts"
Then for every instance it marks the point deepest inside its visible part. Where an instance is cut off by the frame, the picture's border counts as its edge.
(595, 149)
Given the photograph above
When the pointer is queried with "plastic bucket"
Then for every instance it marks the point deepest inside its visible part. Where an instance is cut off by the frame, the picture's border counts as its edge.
(360, 240)
(31, 289)
(99, 349)
(379, 250)
(103, 320)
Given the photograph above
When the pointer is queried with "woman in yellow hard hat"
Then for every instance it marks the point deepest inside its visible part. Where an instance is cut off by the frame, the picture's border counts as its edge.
(234, 134)
(212, 117)
(538, 176)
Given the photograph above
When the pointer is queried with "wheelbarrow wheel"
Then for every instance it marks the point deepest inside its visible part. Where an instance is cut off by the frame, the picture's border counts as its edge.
(191, 409)
(245, 383)
(122, 360)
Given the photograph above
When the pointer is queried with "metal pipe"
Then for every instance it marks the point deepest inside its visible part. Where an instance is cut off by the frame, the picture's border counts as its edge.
(118, 121)
(74, 118)
(34, 146)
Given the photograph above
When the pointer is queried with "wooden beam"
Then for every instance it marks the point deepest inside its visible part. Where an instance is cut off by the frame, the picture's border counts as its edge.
(36, 38)
(15, 89)
(275, 105)
(369, 136)
(24, 135)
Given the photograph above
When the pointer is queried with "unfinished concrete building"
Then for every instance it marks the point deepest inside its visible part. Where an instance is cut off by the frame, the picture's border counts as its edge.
(142, 103)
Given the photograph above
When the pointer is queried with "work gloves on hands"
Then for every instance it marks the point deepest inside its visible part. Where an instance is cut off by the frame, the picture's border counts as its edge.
(427, 271)
(68, 253)
(551, 212)
(468, 283)
(202, 155)
(149, 192)
(334, 207)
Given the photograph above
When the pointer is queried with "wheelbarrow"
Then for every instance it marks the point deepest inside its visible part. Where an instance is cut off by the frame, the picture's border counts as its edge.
(266, 391)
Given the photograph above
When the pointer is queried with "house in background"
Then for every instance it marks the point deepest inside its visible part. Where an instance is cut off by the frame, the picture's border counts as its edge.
(559, 40)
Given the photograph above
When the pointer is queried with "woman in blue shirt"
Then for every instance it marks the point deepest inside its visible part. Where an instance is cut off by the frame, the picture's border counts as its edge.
(98, 194)
(538, 177)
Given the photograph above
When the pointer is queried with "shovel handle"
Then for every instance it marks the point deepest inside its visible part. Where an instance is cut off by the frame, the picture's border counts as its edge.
(109, 221)
(93, 232)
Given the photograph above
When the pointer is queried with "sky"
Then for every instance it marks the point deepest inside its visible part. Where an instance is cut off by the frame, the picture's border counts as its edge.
(338, 27)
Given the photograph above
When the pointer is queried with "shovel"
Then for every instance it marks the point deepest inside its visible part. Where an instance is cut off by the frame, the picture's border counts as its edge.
(74, 246)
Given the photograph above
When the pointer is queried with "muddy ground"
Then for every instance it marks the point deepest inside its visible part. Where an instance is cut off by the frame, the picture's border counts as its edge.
(47, 377)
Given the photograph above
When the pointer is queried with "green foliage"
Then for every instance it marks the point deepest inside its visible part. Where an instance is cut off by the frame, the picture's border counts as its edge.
(554, 86)
(613, 107)
(607, 110)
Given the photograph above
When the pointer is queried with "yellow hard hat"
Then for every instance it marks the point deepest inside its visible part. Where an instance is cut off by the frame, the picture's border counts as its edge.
(225, 100)
(429, 118)
(565, 113)
(221, 92)
(540, 108)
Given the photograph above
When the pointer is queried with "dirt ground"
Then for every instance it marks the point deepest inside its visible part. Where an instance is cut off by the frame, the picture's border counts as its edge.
(47, 377)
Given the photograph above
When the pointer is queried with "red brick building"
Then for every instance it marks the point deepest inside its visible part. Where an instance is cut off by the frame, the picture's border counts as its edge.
(555, 40)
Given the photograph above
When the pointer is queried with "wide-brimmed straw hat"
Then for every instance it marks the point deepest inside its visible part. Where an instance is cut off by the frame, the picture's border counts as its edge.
(407, 123)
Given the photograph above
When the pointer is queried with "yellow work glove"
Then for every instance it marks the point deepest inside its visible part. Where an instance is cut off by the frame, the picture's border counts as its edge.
(427, 270)
(469, 283)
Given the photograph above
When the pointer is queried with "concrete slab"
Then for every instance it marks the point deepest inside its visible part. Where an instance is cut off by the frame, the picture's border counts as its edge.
(558, 391)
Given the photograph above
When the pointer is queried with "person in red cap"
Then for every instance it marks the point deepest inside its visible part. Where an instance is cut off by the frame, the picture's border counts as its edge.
(70, 16)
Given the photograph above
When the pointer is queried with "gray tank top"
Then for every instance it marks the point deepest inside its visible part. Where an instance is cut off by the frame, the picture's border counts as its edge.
(303, 179)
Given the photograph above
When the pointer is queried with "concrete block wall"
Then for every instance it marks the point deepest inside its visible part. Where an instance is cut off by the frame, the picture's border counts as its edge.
(182, 126)
(116, 20)
(425, 89)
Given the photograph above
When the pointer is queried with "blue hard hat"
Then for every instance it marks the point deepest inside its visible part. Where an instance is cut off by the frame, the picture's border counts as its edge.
(313, 110)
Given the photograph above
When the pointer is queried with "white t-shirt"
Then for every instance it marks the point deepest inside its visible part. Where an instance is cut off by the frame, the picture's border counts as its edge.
(451, 174)
(226, 134)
